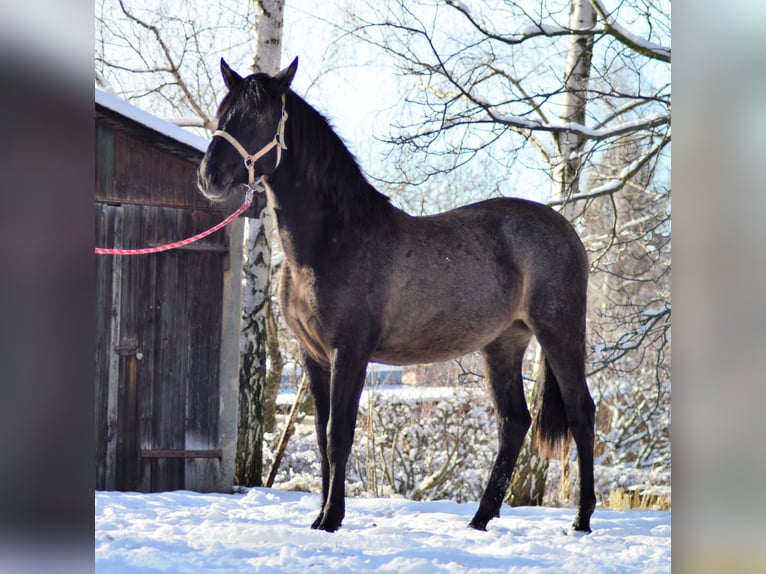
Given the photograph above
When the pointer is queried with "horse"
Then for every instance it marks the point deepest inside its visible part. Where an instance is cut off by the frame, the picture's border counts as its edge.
(364, 281)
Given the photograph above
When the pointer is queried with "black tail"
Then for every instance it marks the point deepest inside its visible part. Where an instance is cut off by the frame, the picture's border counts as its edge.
(551, 424)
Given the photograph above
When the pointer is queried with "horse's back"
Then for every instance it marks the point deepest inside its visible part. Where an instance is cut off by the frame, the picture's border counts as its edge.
(514, 232)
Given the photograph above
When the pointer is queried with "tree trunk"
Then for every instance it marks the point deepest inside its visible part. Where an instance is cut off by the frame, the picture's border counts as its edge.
(256, 277)
(268, 33)
(569, 145)
(274, 372)
(253, 350)
(528, 483)
(528, 480)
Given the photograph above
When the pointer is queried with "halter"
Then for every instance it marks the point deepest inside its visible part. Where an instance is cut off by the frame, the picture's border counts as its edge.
(250, 159)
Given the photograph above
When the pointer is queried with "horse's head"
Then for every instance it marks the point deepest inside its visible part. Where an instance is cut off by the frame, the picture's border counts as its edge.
(248, 141)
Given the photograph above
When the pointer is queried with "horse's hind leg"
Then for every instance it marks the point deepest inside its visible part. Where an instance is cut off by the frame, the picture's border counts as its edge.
(503, 359)
(567, 361)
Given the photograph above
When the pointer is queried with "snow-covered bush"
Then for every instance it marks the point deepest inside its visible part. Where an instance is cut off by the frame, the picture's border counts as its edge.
(428, 443)
(425, 449)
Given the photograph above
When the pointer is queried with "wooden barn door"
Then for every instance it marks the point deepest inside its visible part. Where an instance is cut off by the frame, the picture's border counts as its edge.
(158, 353)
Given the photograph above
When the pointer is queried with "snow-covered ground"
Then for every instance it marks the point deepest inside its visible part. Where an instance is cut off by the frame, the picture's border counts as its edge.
(266, 530)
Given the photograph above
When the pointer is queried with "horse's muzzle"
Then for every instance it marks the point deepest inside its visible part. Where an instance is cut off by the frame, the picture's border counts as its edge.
(210, 186)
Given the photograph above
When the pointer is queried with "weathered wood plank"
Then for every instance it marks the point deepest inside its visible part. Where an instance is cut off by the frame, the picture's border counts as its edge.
(169, 317)
(104, 161)
(108, 282)
(170, 453)
(130, 171)
(203, 399)
(127, 467)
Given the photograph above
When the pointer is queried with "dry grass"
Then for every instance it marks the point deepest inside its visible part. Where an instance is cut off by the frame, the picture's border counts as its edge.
(639, 498)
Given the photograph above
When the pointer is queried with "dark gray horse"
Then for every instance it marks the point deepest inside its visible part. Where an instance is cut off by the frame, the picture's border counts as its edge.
(364, 281)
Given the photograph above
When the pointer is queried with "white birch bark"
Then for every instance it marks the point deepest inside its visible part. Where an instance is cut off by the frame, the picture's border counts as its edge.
(569, 144)
(256, 274)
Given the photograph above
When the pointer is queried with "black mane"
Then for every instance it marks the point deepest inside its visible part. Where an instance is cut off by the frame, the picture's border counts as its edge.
(329, 166)
(243, 97)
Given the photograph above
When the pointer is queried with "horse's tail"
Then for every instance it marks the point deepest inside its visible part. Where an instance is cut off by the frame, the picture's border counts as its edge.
(551, 423)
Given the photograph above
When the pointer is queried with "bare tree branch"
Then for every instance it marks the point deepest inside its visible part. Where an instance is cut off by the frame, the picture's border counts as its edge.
(616, 184)
(172, 68)
(643, 47)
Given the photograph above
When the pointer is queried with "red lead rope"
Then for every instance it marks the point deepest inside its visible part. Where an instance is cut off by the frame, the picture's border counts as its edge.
(169, 246)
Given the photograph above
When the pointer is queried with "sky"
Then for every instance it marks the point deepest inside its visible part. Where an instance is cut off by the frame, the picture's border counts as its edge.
(361, 88)
(363, 92)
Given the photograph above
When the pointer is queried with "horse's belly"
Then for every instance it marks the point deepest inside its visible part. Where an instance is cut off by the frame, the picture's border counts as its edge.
(414, 356)
(439, 338)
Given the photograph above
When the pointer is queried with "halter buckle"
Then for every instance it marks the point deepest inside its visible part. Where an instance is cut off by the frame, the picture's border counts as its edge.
(252, 188)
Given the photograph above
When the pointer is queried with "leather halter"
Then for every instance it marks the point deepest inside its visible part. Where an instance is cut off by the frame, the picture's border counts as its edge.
(250, 159)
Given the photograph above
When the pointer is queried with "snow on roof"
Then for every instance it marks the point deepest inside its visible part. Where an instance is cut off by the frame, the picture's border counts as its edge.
(117, 104)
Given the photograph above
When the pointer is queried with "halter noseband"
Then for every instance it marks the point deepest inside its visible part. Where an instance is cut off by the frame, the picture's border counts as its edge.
(250, 159)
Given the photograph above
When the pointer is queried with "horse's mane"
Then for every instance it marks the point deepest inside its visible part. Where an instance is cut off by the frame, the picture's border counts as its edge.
(329, 166)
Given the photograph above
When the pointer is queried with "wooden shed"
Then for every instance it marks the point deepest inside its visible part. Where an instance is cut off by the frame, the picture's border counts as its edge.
(167, 325)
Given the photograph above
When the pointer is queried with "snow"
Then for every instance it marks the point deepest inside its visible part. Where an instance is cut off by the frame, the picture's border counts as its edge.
(266, 530)
(401, 393)
(117, 104)
(460, 6)
(541, 28)
(655, 120)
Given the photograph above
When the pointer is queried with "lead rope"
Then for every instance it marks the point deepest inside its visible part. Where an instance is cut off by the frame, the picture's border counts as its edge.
(183, 242)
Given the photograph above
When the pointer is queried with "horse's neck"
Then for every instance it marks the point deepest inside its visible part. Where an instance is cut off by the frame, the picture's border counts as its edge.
(313, 230)
(302, 224)
(321, 199)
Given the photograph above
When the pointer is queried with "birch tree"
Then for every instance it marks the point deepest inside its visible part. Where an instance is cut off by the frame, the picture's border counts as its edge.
(258, 385)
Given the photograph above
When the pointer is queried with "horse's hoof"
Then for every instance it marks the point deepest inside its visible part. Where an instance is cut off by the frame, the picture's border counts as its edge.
(578, 530)
(328, 527)
(329, 522)
(478, 525)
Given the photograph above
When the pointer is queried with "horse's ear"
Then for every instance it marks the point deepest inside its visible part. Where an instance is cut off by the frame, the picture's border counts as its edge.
(283, 79)
(230, 77)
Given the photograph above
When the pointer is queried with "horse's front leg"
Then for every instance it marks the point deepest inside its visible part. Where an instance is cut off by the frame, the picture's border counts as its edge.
(347, 379)
(319, 384)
